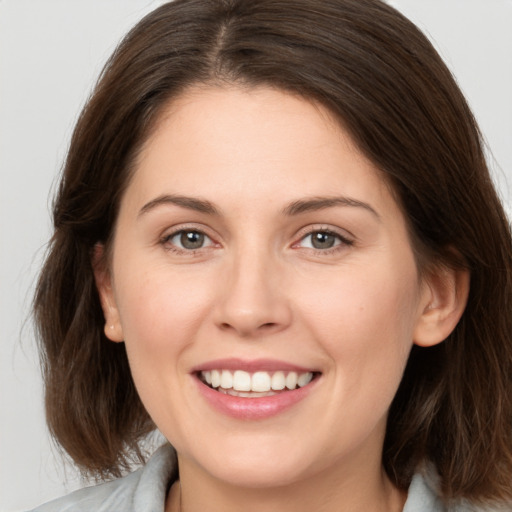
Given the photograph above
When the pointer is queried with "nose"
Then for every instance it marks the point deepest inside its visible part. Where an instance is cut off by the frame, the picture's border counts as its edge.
(252, 300)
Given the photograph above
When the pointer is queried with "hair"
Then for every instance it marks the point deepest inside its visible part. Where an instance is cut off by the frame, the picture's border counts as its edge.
(384, 81)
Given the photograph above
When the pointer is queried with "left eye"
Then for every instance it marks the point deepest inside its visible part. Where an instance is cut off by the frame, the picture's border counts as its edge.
(190, 240)
(322, 240)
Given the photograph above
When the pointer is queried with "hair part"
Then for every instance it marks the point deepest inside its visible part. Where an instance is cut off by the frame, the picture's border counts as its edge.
(383, 80)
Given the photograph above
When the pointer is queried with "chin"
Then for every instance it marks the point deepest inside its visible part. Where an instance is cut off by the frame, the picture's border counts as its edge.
(255, 463)
(272, 473)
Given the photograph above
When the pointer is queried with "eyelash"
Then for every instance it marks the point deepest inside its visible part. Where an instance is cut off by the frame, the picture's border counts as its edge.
(171, 247)
(340, 243)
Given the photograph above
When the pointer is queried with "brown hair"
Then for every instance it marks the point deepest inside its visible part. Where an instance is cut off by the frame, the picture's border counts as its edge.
(382, 78)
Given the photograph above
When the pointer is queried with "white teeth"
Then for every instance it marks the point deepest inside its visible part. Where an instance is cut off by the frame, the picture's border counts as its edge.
(291, 380)
(242, 381)
(215, 378)
(245, 394)
(226, 379)
(304, 378)
(278, 381)
(258, 382)
(261, 382)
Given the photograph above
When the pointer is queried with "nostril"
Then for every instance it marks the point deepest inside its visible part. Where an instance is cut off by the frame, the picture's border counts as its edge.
(263, 327)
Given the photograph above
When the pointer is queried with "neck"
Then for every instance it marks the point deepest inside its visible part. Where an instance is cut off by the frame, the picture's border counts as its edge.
(323, 492)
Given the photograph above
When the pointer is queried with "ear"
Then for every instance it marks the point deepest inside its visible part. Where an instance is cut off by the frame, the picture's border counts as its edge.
(444, 298)
(103, 278)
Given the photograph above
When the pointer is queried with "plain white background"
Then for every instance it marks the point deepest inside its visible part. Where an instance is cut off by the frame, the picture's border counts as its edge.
(51, 51)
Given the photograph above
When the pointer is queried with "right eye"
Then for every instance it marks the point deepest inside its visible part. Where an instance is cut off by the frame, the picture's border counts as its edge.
(321, 240)
(188, 240)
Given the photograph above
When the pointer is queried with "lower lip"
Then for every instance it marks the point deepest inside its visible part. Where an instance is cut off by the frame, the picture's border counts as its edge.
(259, 408)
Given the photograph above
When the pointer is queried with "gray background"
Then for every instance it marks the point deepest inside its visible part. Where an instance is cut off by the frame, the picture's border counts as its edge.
(50, 54)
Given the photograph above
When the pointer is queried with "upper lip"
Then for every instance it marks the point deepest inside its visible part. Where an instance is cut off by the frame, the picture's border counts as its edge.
(251, 366)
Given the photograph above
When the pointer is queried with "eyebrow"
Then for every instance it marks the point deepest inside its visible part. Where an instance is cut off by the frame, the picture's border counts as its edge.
(320, 203)
(295, 208)
(191, 203)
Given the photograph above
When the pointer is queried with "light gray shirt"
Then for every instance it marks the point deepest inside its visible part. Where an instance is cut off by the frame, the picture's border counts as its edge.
(145, 490)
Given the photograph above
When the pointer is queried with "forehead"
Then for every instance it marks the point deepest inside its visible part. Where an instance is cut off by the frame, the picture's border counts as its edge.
(252, 142)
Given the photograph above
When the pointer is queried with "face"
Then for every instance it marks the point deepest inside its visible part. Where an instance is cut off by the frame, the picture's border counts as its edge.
(257, 250)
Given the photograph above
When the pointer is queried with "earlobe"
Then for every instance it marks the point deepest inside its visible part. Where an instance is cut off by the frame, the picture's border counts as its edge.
(445, 296)
(103, 279)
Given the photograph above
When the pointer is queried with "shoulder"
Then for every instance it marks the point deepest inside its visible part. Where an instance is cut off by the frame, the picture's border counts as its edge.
(423, 496)
(143, 490)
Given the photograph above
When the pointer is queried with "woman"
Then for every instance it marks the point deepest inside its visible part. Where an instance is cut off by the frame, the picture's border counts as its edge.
(276, 241)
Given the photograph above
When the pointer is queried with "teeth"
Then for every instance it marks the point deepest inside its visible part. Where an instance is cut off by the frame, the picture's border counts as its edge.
(226, 379)
(291, 380)
(215, 378)
(242, 381)
(278, 381)
(245, 394)
(304, 378)
(261, 381)
(258, 382)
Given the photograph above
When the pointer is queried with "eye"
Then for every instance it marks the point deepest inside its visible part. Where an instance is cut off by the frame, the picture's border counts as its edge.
(188, 240)
(323, 240)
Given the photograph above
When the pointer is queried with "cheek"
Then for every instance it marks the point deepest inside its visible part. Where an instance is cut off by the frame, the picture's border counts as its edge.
(365, 320)
(161, 315)
(160, 311)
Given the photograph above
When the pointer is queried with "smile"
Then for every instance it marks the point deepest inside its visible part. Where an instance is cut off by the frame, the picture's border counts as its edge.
(255, 390)
(257, 384)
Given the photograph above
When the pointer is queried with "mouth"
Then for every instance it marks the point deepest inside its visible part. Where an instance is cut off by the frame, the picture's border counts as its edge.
(255, 389)
(258, 384)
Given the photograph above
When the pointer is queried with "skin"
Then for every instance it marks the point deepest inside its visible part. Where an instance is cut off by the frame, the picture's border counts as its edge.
(259, 289)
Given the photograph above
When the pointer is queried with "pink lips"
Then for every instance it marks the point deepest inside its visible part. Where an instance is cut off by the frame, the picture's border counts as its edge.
(251, 408)
(265, 365)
